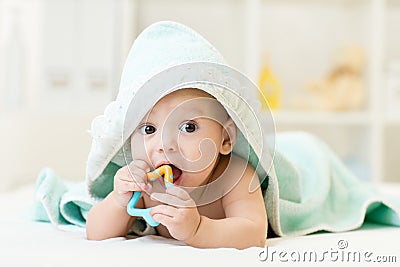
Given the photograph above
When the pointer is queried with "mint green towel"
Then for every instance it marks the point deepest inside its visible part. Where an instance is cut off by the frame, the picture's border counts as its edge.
(66, 204)
(60, 202)
(316, 192)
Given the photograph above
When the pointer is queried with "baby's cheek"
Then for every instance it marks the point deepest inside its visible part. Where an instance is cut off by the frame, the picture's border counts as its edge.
(203, 152)
(189, 150)
(138, 148)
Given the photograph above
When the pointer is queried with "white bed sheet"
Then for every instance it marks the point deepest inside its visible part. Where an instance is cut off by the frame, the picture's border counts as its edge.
(26, 243)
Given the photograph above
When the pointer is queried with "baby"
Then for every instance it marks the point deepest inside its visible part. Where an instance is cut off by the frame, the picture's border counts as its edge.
(211, 204)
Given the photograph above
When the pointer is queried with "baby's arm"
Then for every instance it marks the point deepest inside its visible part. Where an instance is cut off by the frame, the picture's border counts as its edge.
(109, 218)
(245, 224)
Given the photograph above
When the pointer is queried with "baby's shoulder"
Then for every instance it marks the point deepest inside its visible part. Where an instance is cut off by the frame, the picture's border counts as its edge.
(239, 174)
(242, 166)
(242, 176)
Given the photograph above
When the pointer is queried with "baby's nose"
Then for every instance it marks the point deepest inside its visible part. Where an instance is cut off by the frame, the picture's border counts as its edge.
(167, 143)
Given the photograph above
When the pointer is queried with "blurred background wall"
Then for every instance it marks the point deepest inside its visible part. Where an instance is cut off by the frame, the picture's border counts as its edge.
(328, 67)
(60, 63)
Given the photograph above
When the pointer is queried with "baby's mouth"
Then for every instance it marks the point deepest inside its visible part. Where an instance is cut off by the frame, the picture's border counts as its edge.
(176, 172)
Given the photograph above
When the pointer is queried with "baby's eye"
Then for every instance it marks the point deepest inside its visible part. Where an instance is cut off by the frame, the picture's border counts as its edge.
(147, 129)
(188, 127)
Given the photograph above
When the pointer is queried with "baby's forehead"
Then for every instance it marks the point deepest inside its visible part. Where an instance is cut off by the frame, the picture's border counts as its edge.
(191, 102)
(188, 93)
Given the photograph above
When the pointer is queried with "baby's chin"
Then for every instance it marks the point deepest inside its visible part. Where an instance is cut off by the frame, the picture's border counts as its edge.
(187, 179)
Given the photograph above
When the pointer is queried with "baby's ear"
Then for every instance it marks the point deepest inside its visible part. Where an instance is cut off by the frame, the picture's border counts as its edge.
(229, 137)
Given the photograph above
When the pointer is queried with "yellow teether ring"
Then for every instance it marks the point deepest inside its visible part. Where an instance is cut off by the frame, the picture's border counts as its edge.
(164, 170)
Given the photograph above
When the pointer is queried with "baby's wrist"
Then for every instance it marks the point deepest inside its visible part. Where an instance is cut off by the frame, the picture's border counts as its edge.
(192, 240)
(115, 201)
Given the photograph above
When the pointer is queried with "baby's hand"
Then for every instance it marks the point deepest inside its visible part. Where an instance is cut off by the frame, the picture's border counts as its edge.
(181, 216)
(130, 178)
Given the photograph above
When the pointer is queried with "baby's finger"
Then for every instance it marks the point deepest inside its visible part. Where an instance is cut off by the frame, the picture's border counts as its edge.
(139, 164)
(163, 219)
(171, 200)
(124, 174)
(136, 175)
(164, 214)
(128, 186)
(178, 192)
(139, 176)
(166, 210)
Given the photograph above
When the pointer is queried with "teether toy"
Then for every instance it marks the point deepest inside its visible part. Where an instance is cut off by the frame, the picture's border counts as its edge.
(165, 170)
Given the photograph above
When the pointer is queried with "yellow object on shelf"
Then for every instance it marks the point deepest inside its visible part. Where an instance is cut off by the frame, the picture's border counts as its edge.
(270, 88)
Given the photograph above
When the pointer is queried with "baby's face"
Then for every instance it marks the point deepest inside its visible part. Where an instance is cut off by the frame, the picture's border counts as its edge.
(186, 130)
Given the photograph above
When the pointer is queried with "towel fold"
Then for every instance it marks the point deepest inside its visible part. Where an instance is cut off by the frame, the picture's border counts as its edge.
(60, 202)
(66, 204)
(318, 192)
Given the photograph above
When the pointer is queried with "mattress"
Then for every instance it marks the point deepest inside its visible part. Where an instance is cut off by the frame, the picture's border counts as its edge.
(27, 243)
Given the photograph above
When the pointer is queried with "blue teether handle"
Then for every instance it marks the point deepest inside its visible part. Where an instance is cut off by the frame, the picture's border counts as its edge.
(145, 213)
